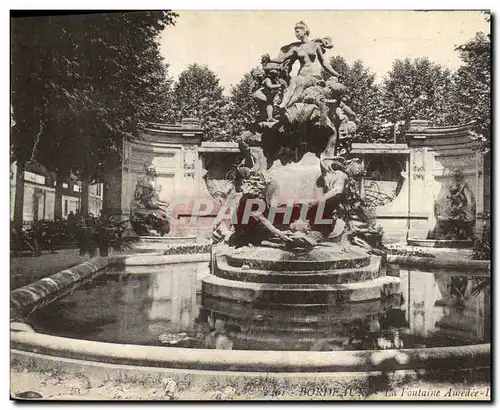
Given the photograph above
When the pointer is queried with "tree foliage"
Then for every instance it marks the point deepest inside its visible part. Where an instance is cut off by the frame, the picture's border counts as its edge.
(197, 93)
(81, 84)
(472, 86)
(416, 89)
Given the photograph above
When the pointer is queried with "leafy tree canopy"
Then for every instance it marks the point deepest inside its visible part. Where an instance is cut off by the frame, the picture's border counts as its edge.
(198, 93)
(83, 83)
(416, 89)
(472, 87)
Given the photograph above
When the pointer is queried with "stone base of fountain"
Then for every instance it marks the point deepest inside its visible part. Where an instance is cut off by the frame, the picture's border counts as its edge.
(153, 244)
(441, 243)
(275, 299)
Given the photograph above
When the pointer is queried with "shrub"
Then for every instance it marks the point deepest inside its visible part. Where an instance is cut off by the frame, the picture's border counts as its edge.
(94, 233)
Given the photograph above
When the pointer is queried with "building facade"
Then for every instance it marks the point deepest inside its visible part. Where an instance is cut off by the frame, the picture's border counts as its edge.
(40, 192)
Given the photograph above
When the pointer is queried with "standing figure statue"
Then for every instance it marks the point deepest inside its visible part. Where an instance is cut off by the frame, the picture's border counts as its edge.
(310, 54)
(148, 214)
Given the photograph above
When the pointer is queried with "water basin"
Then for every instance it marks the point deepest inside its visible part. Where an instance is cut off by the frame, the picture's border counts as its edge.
(432, 309)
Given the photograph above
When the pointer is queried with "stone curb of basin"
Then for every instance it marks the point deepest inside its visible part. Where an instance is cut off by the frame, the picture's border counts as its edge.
(472, 356)
(440, 243)
(168, 240)
(151, 244)
(153, 263)
(473, 267)
(27, 299)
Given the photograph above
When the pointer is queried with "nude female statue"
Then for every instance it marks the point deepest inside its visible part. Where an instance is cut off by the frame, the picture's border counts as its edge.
(310, 54)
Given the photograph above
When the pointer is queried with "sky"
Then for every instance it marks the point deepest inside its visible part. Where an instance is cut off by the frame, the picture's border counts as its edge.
(230, 43)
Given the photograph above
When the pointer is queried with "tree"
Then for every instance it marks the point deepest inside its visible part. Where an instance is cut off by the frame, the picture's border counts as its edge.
(362, 95)
(472, 87)
(82, 84)
(416, 89)
(197, 93)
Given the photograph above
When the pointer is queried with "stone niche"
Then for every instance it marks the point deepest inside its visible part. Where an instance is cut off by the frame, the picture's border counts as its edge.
(437, 155)
(174, 152)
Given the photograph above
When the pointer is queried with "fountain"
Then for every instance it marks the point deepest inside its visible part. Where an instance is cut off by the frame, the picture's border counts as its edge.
(298, 275)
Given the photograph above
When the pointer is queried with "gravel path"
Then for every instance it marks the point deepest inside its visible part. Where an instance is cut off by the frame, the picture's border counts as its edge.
(52, 385)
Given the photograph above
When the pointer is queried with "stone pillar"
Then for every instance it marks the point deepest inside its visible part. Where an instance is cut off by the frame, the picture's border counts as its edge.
(419, 203)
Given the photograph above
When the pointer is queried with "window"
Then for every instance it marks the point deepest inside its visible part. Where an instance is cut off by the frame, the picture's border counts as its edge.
(65, 207)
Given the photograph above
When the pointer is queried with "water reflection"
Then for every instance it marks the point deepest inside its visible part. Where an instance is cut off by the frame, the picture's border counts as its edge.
(172, 298)
(127, 308)
(443, 306)
(433, 309)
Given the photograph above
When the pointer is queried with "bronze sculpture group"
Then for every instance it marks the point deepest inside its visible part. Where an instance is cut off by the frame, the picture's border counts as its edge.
(306, 113)
(299, 115)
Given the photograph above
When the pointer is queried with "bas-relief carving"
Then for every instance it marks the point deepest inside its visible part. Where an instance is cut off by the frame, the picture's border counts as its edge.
(190, 159)
(418, 163)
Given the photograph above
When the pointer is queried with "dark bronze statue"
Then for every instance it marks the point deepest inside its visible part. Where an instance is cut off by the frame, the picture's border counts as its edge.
(148, 215)
(455, 210)
(313, 117)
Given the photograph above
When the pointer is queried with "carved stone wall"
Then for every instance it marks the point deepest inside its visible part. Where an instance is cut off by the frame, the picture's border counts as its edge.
(435, 152)
(172, 150)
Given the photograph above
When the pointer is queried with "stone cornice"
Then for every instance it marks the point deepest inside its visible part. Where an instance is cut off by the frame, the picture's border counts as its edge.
(420, 133)
(188, 132)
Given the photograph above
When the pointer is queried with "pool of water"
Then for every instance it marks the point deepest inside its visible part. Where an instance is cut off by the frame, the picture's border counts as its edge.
(165, 309)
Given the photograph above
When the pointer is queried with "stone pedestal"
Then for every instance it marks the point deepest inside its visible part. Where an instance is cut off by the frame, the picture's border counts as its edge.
(435, 153)
(274, 299)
